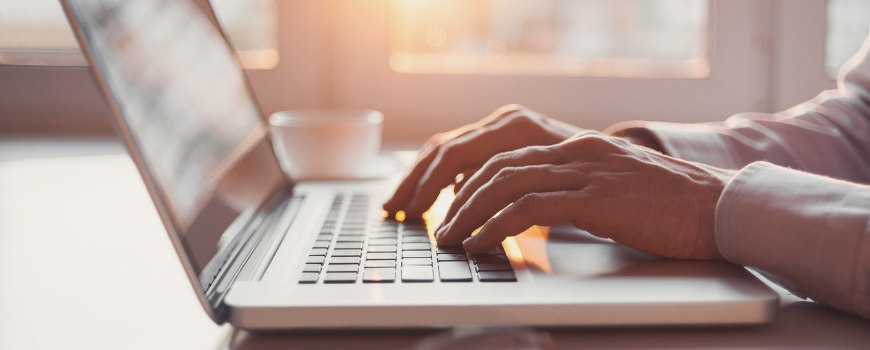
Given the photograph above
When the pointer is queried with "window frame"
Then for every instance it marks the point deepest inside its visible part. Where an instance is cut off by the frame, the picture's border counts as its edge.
(335, 53)
(77, 105)
(416, 105)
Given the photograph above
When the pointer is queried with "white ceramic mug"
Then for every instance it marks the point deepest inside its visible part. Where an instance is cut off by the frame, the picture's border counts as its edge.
(326, 143)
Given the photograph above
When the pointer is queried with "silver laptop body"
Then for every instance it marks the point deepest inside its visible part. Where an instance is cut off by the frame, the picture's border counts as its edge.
(249, 237)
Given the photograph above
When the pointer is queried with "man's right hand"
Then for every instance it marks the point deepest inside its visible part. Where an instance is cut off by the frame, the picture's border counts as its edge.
(466, 149)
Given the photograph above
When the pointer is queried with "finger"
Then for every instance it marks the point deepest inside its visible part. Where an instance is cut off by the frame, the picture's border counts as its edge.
(581, 147)
(534, 155)
(544, 209)
(469, 151)
(462, 179)
(531, 155)
(508, 186)
(405, 191)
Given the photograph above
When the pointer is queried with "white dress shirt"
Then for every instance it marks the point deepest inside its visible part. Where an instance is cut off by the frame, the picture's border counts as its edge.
(799, 210)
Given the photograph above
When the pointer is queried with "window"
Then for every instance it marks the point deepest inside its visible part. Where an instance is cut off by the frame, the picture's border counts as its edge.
(587, 38)
(717, 45)
(252, 26)
(36, 32)
(848, 25)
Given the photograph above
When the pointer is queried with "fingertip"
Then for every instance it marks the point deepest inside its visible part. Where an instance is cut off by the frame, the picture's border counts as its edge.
(471, 245)
(390, 207)
(444, 238)
(414, 209)
(440, 229)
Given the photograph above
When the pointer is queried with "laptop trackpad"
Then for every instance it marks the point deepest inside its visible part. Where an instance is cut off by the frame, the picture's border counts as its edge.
(566, 251)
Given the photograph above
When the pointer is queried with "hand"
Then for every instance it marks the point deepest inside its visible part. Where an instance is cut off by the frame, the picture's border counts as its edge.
(605, 185)
(464, 150)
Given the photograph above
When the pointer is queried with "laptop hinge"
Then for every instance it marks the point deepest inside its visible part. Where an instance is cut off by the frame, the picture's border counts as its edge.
(253, 247)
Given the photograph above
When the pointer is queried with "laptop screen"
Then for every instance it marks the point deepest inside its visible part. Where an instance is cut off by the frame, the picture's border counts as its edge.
(180, 91)
(190, 120)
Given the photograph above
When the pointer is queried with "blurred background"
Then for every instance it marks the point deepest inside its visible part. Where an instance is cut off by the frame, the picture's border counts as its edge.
(433, 65)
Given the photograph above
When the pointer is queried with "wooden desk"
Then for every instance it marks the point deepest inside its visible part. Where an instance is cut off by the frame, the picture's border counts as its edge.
(86, 264)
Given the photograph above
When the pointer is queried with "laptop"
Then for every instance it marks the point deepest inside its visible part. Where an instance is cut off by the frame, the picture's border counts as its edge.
(265, 252)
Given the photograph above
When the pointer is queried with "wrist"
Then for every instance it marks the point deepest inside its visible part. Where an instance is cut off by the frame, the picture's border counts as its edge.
(641, 137)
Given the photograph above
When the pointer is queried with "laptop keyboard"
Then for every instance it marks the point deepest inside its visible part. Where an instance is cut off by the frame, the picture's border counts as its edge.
(350, 249)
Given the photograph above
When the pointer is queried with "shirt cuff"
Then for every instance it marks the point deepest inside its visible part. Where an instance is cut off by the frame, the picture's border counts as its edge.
(808, 233)
(703, 143)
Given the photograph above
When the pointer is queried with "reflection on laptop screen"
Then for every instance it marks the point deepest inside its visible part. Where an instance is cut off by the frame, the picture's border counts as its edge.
(179, 89)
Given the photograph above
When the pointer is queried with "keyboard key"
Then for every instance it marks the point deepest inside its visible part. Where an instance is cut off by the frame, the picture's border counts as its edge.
(414, 225)
(380, 263)
(497, 276)
(347, 252)
(454, 271)
(382, 249)
(388, 229)
(420, 233)
(318, 251)
(392, 235)
(417, 274)
(351, 238)
(324, 237)
(486, 258)
(452, 257)
(417, 254)
(342, 268)
(381, 256)
(315, 259)
(417, 261)
(416, 246)
(311, 268)
(344, 260)
(339, 277)
(456, 249)
(494, 267)
(379, 275)
(353, 228)
(321, 244)
(348, 245)
(308, 277)
(383, 241)
(415, 239)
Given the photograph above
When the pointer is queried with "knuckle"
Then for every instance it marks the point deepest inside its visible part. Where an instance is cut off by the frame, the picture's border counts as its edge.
(592, 142)
(448, 150)
(512, 107)
(435, 140)
(524, 119)
(505, 174)
(501, 158)
(528, 201)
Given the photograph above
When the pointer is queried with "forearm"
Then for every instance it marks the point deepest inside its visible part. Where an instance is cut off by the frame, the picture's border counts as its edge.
(641, 137)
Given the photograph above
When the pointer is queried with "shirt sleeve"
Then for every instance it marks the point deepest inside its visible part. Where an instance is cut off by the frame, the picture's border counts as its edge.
(829, 135)
(806, 232)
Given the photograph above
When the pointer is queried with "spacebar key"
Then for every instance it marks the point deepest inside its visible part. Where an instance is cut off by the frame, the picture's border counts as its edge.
(454, 271)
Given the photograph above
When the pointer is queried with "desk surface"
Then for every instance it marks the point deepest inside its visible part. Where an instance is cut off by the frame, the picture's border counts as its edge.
(86, 264)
